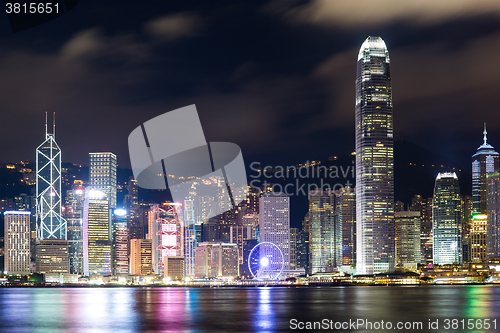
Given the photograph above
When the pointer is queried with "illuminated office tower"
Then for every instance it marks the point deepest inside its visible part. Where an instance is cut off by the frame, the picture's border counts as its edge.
(166, 234)
(493, 210)
(224, 260)
(303, 255)
(274, 222)
(17, 242)
(242, 232)
(103, 175)
(49, 221)
(478, 237)
(374, 160)
(202, 260)
(97, 255)
(484, 162)
(346, 219)
(141, 257)
(467, 221)
(189, 238)
(407, 237)
(424, 206)
(52, 256)
(173, 268)
(325, 241)
(73, 214)
(447, 220)
(120, 242)
(294, 234)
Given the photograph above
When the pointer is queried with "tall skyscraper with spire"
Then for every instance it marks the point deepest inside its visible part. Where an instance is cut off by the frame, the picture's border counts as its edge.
(485, 161)
(49, 221)
(374, 159)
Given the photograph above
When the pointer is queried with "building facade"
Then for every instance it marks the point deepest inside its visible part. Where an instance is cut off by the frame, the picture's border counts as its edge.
(97, 246)
(346, 219)
(52, 256)
(224, 260)
(374, 159)
(103, 175)
(325, 234)
(447, 220)
(274, 223)
(141, 257)
(407, 237)
(493, 210)
(203, 260)
(120, 242)
(17, 242)
(74, 202)
(478, 238)
(174, 268)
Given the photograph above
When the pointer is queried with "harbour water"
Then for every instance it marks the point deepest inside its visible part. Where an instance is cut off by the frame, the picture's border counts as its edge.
(278, 309)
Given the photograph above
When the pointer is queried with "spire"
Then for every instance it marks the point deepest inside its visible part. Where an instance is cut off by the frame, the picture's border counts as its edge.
(46, 125)
(54, 125)
(485, 135)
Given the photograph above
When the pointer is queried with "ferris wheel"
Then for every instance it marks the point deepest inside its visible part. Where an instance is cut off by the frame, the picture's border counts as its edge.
(266, 261)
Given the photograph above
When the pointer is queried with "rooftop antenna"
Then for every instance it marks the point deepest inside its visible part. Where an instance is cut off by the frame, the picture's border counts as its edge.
(485, 133)
(46, 125)
(54, 126)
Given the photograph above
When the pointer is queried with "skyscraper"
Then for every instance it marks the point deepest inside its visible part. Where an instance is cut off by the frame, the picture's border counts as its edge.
(17, 242)
(120, 242)
(166, 233)
(447, 220)
(294, 233)
(478, 238)
(407, 237)
(484, 161)
(52, 256)
(325, 239)
(493, 210)
(96, 233)
(346, 218)
(374, 159)
(49, 221)
(103, 175)
(274, 222)
(73, 213)
(141, 258)
(189, 238)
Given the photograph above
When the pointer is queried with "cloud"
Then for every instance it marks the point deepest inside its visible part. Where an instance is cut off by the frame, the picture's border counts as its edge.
(369, 12)
(83, 43)
(94, 44)
(174, 27)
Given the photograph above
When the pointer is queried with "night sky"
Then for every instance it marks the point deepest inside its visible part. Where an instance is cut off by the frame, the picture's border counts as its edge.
(275, 77)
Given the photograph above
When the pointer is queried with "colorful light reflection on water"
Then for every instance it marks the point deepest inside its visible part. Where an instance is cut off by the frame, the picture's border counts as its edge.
(232, 309)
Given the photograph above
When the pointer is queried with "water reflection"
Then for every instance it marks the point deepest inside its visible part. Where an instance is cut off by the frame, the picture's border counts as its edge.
(233, 309)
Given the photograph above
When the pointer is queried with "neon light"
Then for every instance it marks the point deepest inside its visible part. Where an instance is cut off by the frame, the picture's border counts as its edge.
(79, 191)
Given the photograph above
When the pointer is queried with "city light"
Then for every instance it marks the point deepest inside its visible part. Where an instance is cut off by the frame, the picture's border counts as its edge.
(264, 262)
(16, 212)
(120, 212)
(96, 194)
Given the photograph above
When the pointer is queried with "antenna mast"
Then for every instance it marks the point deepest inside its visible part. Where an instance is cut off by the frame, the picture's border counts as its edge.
(54, 126)
(46, 125)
